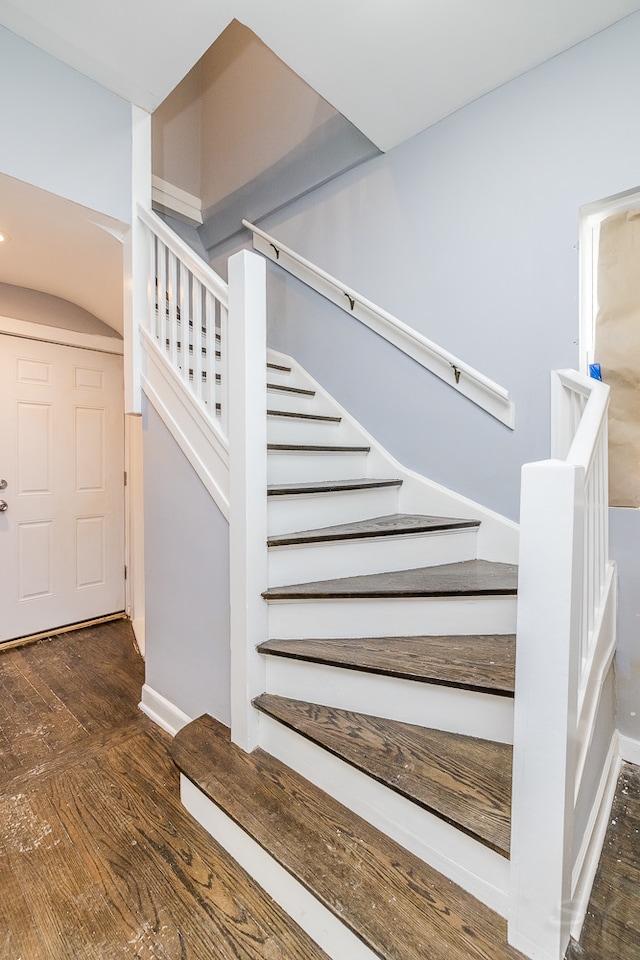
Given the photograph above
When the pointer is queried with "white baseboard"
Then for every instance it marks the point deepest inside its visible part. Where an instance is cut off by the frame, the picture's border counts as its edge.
(629, 749)
(162, 711)
(320, 923)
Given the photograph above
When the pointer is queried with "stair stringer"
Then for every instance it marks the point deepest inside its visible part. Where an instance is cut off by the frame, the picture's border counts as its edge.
(498, 537)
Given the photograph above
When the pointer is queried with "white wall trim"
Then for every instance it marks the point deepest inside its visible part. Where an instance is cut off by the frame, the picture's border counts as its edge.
(586, 863)
(176, 202)
(316, 920)
(591, 216)
(472, 384)
(66, 338)
(162, 711)
(190, 427)
(629, 749)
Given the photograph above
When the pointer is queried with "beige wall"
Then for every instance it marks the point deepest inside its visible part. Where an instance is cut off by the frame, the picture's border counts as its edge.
(263, 109)
(235, 115)
(176, 135)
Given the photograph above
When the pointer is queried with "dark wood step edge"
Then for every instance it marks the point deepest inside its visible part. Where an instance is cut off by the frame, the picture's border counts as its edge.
(298, 391)
(278, 366)
(347, 655)
(376, 528)
(314, 448)
(327, 486)
(295, 415)
(263, 703)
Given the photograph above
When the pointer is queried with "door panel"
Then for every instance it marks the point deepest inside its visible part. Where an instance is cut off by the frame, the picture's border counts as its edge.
(62, 455)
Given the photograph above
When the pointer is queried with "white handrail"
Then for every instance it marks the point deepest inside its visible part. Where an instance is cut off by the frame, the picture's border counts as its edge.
(457, 373)
(207, 277)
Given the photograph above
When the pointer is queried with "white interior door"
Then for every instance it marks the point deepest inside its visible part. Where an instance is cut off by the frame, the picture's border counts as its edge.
(62, 510)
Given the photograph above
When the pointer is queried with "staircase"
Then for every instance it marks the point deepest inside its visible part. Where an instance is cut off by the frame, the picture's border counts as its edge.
(387, 714)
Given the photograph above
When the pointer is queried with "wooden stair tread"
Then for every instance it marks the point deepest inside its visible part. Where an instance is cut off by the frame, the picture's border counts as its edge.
(463, 780)
(315, 448)
(294, 415)
(467, 578)
(396, 904)
(278, 366)
(300, 391)
(388, 526)
(482, 663)
(327, 486)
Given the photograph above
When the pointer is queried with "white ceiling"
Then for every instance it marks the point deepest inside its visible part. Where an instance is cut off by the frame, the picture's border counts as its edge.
(61, 248)
(392, 67)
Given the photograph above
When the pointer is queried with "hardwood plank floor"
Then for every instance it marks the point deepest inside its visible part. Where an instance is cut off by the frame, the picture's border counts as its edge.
(611, 928)
(98, 859)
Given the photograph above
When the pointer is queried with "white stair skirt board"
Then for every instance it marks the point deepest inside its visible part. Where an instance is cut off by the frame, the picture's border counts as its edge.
(588, 857)
(308, 466)
(302, 563)
(426, 704)
(288, 514)
(319, 923)
(162, 711)
(480, 871)
(629, 749)
(400, 617)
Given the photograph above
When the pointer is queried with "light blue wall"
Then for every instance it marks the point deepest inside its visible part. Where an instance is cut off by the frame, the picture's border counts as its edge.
(186, 580)
(468, 232)
(63, 132)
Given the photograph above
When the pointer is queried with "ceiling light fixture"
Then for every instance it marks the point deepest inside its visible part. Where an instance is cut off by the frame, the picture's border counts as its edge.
(4, 238)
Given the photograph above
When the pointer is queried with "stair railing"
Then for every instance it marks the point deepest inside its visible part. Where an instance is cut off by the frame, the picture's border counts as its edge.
(187, 319)
(203, 366)
(464, 378)
(565, 637)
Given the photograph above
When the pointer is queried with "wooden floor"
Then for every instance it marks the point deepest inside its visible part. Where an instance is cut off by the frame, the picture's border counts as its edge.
(611, 929)
(99, 860)
(97, 857)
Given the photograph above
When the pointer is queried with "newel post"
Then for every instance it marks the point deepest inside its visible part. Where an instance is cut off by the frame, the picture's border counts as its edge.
(247, 488)
(549, 594)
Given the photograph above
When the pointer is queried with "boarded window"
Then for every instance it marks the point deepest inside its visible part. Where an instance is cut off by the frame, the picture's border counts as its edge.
(617, 349)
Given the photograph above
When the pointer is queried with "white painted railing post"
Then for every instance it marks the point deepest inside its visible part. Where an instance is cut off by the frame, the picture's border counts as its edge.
(137, 259)
(549, 605)
(248, 488)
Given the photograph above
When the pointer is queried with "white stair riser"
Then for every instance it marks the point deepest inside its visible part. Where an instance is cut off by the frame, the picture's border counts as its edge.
(307, 466)
(285, 379)
(318, 561)
(322, 926)
(286, 514)
(297, 402)
(425, 704)
(480, 871)
(402, 617)
(300, 430)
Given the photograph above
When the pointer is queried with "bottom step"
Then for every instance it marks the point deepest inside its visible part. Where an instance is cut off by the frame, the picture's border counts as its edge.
(390, 904)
